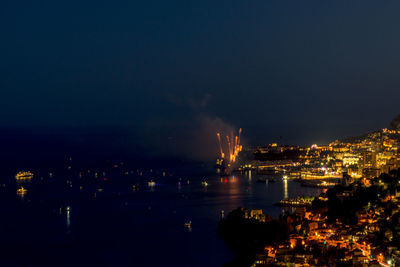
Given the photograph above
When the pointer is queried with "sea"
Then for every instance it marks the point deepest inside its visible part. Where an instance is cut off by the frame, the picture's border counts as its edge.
(111, 216)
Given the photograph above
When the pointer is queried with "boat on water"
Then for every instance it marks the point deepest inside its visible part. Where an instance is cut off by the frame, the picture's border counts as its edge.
(151, 183)
(204, 183)
(188, 225)
(24, 176)
(21, 191)
(65, 209)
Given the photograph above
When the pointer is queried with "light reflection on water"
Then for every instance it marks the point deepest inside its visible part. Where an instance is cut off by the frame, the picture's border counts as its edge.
(119, 214)
(254, 195)
(285, 189)
(68, 217)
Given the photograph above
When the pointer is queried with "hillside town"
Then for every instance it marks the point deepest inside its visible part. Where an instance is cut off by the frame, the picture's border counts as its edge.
(354, 225)
(355, 222)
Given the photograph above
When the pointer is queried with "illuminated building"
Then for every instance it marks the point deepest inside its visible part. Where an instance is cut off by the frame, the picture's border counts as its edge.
(369, 159)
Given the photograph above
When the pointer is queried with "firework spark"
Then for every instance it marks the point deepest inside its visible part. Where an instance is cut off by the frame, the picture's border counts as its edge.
(234, 147)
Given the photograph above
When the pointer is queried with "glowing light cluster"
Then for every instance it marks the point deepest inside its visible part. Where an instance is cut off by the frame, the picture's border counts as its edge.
(233, 146)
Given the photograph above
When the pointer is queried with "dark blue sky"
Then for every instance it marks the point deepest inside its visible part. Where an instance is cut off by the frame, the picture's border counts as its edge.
(294, 71)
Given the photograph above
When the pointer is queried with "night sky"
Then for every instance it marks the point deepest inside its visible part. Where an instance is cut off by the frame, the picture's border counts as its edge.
(171, 73)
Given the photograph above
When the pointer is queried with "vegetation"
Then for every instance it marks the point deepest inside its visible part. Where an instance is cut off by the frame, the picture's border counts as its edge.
(249, 236)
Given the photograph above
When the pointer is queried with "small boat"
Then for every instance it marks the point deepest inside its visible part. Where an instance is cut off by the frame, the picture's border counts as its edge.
(21, 191)
(65, 209)
(188, 225)
(151, 183)
(204, 183)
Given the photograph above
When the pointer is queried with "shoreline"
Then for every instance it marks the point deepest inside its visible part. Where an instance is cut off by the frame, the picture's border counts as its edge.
(334, 224)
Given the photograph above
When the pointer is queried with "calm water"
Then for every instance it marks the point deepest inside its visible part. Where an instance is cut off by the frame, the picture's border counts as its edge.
(122, 227)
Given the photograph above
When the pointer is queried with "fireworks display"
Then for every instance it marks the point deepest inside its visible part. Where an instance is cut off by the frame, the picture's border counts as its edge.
(233, 147)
